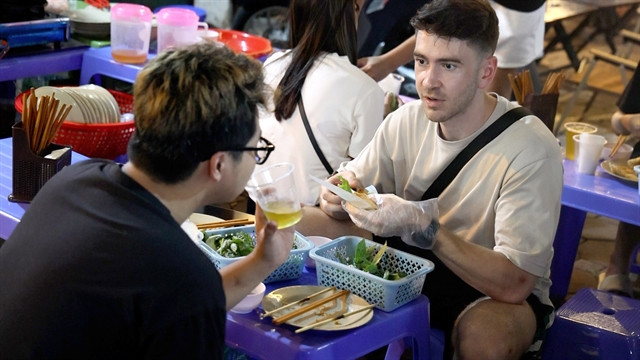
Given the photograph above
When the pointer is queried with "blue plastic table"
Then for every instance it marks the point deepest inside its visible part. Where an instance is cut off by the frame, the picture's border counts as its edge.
(408, 324)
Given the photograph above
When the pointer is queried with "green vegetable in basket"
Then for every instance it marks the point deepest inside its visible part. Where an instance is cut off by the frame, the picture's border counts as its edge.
(366, 258)
(231, 245)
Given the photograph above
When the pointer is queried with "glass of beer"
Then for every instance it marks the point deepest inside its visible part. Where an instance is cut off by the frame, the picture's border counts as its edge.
(274, 189)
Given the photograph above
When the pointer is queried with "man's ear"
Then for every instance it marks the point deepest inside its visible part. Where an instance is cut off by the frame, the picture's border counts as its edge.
(488, 69)
(217, 164)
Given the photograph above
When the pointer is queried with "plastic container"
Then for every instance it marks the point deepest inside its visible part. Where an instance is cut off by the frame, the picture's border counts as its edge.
(386, 294)
(178, 27)
(130, 33)
(290, 269)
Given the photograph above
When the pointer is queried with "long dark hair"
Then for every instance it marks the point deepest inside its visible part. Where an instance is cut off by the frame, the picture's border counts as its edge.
(317, 27)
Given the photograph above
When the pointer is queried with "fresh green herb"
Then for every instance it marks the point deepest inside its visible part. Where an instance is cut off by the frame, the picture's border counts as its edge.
(344, 184)
(231, 245)
(366, 258)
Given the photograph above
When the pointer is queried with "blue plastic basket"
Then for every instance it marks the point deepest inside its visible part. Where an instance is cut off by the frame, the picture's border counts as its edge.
(290, 269)
(386, 294)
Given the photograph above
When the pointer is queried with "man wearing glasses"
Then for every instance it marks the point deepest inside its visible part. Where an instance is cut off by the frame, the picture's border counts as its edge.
(99, 267)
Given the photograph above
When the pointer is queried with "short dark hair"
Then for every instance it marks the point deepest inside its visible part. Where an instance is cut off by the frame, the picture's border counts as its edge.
(473, 21)
(190, 103)
(318, 27)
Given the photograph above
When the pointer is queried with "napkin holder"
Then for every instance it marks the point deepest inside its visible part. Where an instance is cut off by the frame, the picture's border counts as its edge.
(31, 171)
(543, 106)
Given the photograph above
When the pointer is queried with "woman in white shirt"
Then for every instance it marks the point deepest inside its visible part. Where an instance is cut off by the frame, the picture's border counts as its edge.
(344, 106)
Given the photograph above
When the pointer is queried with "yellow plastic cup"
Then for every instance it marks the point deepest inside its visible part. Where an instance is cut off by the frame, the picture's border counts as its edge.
(575, 128)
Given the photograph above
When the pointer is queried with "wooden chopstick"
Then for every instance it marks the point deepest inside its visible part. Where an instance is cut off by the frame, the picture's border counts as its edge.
(616, 147)
(221, 224)
(337, 317)
(281, 319)
(262, 316)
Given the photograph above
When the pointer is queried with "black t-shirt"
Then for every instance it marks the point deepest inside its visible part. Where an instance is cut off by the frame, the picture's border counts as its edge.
(521, 5)
(98, 269)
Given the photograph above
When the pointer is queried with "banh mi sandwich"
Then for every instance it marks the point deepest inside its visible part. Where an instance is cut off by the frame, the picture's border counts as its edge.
(361, 193)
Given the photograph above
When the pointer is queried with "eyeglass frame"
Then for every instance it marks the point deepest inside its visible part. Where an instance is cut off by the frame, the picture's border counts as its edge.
(259, 160)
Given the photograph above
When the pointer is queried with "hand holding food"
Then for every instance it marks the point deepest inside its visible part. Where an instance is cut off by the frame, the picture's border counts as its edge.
(414, 221)
(360, 192)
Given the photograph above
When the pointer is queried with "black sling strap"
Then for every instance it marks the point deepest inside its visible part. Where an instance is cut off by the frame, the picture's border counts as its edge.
(316, 147)
(449, 173)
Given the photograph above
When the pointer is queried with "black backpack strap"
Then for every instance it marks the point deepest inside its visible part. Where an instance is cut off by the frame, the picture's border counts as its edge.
(449, 173)
(316, 147)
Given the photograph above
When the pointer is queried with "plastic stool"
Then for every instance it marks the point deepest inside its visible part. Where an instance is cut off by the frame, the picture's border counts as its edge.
(202, 14)
(595, 324)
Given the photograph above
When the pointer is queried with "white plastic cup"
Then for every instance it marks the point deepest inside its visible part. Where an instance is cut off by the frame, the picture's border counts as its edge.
(391, 83)
(178, 27)
(589, 150)
(130, 32)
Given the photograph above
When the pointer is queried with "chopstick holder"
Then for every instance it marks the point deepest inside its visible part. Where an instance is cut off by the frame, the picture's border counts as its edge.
(337, 317)
(262, 316)
(223, 224)
(281, 319)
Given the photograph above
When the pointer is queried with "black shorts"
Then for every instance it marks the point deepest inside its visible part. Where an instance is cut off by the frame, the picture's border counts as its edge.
(449, 296)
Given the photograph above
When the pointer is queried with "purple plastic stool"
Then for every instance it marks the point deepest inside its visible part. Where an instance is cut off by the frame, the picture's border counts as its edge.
(595, 324)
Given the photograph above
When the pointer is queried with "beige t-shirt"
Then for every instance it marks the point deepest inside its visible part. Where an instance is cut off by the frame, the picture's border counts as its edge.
(506, 198)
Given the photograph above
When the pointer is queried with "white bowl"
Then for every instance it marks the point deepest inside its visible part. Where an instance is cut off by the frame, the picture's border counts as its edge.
(251, 301)
(317, 241)
(623, 153)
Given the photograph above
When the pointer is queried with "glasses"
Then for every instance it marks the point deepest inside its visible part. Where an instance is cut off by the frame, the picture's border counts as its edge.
(261, 152)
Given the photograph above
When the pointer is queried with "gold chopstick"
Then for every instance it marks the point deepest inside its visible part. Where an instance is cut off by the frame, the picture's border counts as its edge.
(221, 224)
(616, 147)
(262, 316)
(281, 319)
(337, 317)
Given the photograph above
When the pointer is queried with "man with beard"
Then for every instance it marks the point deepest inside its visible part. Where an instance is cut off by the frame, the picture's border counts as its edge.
(490, 230)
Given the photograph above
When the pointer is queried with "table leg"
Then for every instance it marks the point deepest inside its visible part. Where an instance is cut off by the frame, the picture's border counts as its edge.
(565, 248)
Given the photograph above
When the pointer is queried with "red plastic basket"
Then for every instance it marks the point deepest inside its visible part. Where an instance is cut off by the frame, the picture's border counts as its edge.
(96, 140)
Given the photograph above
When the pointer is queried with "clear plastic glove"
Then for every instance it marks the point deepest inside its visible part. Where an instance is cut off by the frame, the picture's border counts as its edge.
(416, 222)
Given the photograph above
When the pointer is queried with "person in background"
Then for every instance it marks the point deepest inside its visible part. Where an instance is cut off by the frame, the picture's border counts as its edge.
(344, 106)
(99, 267)
(521, 41)
(625, 121)
(490, 232)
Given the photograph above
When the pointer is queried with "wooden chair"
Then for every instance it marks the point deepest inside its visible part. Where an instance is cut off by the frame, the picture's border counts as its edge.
(624, 63)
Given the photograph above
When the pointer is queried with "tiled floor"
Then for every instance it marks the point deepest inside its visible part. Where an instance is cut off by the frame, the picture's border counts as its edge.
(599, 232)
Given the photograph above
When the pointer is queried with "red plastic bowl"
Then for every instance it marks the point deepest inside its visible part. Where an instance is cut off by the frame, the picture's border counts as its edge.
(242, 42)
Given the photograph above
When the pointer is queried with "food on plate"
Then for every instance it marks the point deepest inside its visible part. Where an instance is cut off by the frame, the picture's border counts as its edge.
(361, 193)
(624, 170)
(366, 258)
(633, 162)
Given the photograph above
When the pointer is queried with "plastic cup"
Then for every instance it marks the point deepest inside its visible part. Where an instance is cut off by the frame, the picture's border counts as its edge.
(178, 27)
(574, 128)
(589, 152)
(392, 83)
(130, 32)
(274, 189)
